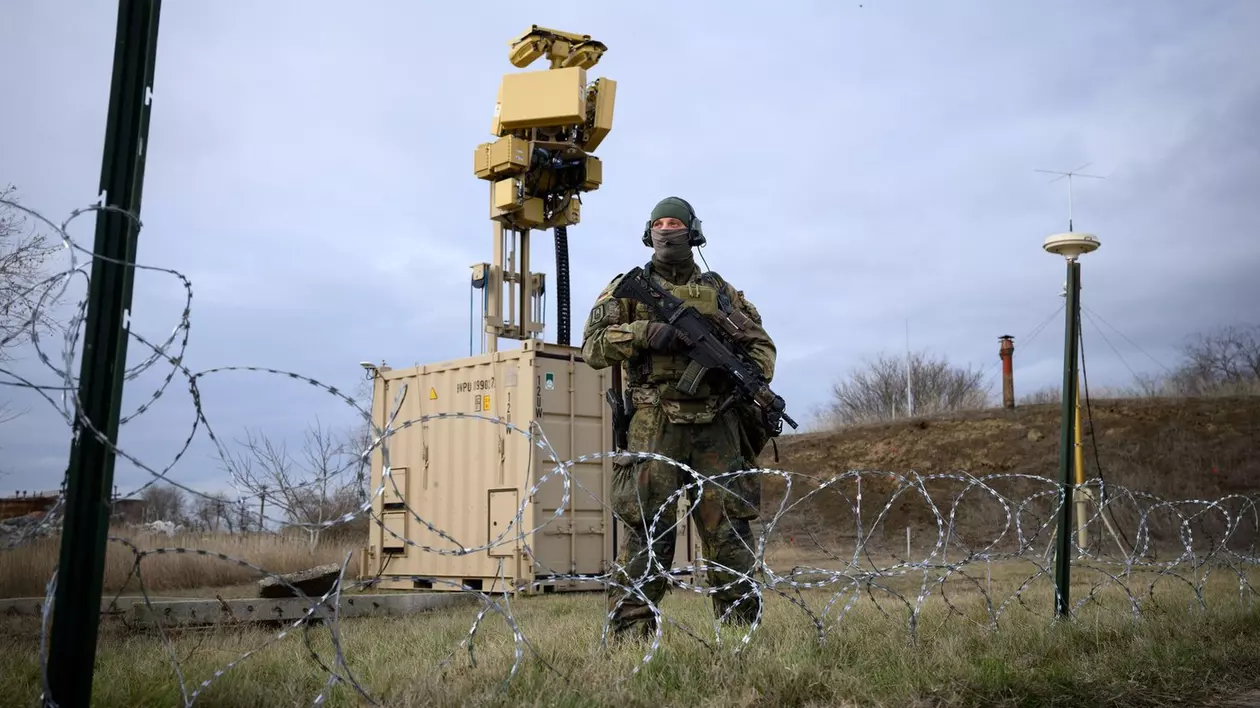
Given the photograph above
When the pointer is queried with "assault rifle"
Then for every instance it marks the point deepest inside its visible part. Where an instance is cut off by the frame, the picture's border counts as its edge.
(710, 347)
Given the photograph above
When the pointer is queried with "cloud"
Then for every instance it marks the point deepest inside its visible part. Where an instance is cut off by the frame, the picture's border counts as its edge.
(858, 169)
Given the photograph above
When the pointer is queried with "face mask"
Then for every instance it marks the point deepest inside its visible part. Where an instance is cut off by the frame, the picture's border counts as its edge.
(671, 245)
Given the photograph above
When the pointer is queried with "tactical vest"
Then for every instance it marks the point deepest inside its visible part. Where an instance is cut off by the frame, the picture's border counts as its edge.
(656, 373)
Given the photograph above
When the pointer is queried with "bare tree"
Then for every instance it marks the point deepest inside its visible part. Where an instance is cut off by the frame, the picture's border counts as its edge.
(1148, 386)
(1224, 361)
(213, 512)
(318, 487)
(24, 252)
(164, 502)
(877, 390)
(1046, 394)
(243, 516)
(1054, 394)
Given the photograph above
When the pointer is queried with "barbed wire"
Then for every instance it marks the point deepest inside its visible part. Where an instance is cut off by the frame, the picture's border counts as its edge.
(1140, 541)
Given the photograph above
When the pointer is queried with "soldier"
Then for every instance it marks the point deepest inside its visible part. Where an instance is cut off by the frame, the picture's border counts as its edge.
(622, 332)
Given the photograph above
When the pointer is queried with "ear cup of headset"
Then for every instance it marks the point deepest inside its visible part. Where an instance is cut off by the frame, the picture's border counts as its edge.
(695, 234)
(697, 231)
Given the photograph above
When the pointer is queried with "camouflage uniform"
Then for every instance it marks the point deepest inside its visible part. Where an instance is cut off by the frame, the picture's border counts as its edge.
(683, 428)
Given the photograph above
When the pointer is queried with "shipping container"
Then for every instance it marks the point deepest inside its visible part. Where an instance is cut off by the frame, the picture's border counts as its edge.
(471, 477)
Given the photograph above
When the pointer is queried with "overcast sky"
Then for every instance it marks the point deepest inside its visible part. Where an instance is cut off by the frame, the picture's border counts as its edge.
(857, 167)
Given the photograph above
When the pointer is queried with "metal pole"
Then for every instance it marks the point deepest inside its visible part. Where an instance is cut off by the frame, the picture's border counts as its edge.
(1078, 457)
(77, 603)
(1067, 456)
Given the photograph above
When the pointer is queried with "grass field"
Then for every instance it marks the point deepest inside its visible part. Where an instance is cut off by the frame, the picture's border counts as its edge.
(1172, 655)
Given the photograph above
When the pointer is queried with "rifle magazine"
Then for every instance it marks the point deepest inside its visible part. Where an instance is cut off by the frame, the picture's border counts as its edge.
(690, 381)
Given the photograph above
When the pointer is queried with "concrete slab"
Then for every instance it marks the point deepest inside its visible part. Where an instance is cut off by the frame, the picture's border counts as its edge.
(192, 613)
(34, 606)
(312, 582)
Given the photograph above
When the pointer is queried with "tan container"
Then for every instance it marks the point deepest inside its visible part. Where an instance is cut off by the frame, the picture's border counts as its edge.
(470, 477)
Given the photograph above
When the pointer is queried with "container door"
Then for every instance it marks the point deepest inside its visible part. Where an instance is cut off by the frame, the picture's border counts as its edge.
(406, 452)
(569, 400)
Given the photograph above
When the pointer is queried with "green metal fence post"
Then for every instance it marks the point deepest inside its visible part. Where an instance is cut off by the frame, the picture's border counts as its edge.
(77, 602)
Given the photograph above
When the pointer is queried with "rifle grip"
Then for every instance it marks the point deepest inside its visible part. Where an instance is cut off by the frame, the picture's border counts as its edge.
(690, 380)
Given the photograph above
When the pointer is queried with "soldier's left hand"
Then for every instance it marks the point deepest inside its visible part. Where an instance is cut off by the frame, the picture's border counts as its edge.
(663, 337)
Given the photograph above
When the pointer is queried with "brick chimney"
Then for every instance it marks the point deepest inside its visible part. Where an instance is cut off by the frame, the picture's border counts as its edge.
(1008, 381)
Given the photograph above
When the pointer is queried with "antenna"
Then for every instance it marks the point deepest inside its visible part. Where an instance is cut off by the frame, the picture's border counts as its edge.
(1069, 175)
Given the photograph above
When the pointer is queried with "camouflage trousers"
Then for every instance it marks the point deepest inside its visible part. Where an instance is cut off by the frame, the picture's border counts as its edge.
(721, 514)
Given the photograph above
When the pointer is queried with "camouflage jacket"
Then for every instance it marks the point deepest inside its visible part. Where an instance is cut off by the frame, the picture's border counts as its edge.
(615, 334)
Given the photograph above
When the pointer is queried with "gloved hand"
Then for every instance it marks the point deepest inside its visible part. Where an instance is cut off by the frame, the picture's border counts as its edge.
(664, 338)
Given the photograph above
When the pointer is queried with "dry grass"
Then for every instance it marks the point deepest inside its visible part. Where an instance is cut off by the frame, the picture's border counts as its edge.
(25, 570)
(1171, 656)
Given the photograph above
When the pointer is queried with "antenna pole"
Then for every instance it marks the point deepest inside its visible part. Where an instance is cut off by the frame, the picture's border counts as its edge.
(1071, 246)
(1067, 436)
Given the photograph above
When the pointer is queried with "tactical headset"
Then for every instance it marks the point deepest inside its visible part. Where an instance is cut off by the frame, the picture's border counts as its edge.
(695, 233)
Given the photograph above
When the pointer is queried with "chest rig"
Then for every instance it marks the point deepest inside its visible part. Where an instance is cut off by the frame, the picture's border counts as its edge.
(707, 295)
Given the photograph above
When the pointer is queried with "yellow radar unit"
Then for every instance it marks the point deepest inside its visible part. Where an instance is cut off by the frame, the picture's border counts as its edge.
(546, 125)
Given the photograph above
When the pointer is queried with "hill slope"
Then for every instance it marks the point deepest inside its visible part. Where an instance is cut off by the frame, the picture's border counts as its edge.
(1173, 449)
